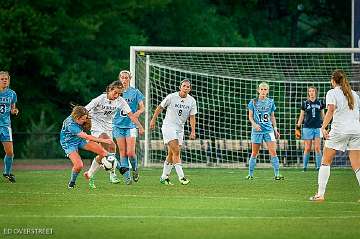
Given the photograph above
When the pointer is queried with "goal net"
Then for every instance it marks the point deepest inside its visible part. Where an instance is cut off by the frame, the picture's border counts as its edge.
(223, 81)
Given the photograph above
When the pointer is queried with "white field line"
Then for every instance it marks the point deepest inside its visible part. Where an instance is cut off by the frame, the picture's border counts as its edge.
(199, 197)
(181, 217)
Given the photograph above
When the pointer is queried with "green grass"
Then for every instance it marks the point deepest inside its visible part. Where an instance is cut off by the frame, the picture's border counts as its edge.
(218, 203)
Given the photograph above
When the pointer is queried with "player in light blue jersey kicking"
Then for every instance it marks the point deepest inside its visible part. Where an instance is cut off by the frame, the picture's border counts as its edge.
(125, 132)
(8, 100)
(73, 138)
(263, 122)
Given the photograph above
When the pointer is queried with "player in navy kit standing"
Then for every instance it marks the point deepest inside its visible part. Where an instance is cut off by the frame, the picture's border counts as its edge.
(312, 113)
(8, 100)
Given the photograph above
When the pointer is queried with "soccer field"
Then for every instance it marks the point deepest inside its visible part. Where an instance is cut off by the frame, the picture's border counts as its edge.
(218, 203)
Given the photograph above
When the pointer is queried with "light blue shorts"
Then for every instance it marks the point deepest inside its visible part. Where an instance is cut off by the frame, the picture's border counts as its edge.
(310, 133)
(5, 134)
(69, 148)
(124, 132)
(259, 138)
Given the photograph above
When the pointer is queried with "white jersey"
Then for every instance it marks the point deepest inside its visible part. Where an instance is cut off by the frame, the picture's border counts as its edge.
(178, 110)
(345, 121)
(102, 111)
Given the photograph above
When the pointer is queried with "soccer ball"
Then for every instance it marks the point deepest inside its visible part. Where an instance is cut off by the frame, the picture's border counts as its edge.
(108, 162)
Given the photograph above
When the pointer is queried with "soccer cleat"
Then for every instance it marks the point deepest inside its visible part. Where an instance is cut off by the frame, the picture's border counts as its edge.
(92, 183)
(304, 169)
(136, 176)
(128, 181)
(249, 177)
(10, 177)
(71, 185)
(184, 181)
(91, 180)
(279, 177)
(114, 178)
(165, 181)
(317, 198)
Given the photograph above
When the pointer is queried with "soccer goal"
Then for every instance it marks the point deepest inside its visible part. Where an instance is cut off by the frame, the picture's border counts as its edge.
(223, 81)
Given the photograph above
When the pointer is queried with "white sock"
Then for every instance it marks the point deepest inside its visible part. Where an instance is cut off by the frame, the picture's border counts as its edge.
(93, 168)
(357, 173)
(179, 170)
(166, 169)
(324, 174)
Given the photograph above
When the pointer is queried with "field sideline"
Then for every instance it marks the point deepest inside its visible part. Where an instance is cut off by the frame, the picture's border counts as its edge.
(218, 203)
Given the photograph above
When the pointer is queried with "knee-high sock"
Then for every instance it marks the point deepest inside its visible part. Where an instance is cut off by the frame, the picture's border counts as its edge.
(318, 157)
(73, 176)
(93, 168)
(8, 162)
(252, 165)
(166, 170)
(179, 170)
(276, 165)
(133, 162)
(357, 173)
(124, 162)
(306, 158)
(323, 177)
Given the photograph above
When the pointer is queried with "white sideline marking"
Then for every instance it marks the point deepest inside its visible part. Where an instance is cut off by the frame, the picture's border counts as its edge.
(179, 217)
(181, 197)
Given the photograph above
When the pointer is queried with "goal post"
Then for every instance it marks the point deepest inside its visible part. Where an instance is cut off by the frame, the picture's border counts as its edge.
(223, 81)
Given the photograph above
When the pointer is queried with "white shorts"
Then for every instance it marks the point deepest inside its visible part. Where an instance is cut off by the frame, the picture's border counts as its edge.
(171, 134)
(343, 142)
(97, 133)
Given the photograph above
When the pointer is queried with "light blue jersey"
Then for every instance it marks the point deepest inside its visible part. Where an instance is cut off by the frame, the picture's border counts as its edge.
(262, 110)
(7, 98)
(68, 136)
(132, 96)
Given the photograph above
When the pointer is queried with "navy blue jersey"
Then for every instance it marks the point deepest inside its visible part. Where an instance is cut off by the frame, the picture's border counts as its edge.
(312, 109)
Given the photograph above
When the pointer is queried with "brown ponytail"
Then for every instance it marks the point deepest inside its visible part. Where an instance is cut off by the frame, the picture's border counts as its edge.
(340, 78)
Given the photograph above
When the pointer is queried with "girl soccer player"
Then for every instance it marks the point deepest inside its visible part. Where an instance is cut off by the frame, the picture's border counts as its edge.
(343, 109)
(312, 113)
(8, 100)
(73, 137)
(179, 107)
(125, 131)
(263, 122)
(102, 110)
